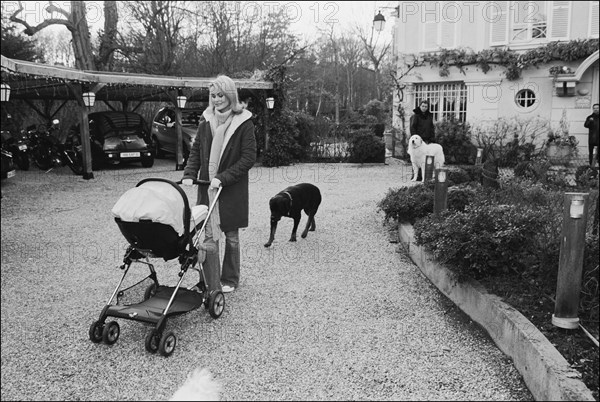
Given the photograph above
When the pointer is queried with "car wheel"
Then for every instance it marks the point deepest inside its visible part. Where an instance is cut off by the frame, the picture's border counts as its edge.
(158, 152)
(148, 162)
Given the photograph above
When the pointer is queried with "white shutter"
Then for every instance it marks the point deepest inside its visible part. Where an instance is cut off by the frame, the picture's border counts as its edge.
(498, 17)
(560, 16)
(449, 26)
(430, 33)
(594, 19)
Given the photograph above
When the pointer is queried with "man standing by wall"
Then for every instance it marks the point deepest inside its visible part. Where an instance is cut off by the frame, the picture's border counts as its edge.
(591, 123)
(421, 122)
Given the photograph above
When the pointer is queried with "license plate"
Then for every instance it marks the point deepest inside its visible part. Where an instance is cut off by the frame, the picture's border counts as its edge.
(22, 147)
(12, 173)
(130, 154)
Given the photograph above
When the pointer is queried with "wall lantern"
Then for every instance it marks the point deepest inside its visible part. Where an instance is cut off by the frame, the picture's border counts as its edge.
(5, 92)
(270, 103)
(379, 22)
(429, 159)
(89, 98)
(181, 100)
(576, 210)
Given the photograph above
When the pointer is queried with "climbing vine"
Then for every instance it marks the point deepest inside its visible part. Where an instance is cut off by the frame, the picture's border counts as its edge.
(513, 62)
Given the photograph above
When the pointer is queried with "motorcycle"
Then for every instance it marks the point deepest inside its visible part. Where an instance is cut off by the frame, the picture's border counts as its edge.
(16, 143)
(48, 152)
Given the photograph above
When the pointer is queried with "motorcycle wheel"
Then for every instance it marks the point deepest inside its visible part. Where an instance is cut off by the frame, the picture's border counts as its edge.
(42, 160)
(23, 161)
(75, 161)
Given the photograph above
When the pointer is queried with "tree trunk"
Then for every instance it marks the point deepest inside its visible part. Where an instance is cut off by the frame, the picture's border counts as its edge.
(108, 40)
(82, 46)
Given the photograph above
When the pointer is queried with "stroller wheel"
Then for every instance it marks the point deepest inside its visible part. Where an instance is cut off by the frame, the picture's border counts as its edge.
(96, 330)
(152, 341)
(167, 344)
(216, 304)
(111, 332)
(150, 291)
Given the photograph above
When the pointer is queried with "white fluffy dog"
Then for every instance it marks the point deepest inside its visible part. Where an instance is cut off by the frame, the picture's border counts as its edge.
(199, 386)
(418, 151)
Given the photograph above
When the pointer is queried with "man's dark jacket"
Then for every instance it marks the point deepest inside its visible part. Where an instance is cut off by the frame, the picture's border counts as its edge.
(422, 124)
(593, 127)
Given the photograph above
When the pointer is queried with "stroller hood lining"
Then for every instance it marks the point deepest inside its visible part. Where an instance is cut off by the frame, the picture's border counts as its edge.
(153, 200)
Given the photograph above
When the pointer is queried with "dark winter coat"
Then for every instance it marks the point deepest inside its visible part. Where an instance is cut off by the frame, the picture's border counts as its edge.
(237, 159)
(422, 125)
(593, 127)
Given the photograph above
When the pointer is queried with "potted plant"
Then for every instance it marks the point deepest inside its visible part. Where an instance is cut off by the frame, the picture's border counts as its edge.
(560, 146)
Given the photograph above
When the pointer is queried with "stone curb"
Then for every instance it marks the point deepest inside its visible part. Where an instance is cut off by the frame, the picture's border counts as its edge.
(546, 372)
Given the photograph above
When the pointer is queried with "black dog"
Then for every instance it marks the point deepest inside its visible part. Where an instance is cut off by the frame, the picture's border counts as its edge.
(290, 202)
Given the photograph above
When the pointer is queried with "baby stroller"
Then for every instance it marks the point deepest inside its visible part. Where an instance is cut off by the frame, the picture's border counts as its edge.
(157, 221)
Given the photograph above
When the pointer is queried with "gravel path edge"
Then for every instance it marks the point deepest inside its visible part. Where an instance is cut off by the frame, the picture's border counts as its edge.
(546, 372)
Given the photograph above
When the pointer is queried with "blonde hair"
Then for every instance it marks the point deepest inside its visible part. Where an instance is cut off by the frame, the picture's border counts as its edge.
(226, 85)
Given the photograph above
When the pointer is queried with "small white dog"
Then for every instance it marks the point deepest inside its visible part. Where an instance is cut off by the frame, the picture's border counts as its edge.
(199, 386)
(418, 151)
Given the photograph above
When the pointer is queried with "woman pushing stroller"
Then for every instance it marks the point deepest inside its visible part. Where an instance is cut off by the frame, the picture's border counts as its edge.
(223, 152)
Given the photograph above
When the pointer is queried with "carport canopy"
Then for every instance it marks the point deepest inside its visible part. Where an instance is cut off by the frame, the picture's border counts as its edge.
(30, 81)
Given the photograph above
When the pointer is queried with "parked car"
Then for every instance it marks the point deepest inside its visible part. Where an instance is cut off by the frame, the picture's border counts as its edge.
(164, 132)
(119, 137)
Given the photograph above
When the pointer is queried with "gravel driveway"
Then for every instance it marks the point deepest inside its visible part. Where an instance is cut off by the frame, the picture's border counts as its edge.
(339, 315)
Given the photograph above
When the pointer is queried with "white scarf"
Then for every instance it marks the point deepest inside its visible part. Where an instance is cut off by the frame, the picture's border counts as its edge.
(219, 123)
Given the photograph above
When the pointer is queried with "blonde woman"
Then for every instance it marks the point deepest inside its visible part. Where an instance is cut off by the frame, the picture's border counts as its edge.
(223, 152)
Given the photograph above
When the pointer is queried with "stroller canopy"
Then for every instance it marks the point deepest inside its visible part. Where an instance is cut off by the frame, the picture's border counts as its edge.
(153, 200)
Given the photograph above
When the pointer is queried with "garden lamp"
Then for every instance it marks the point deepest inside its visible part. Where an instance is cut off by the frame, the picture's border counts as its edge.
(576, 209)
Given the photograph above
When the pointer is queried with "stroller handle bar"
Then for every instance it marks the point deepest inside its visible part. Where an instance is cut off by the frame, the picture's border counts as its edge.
(196, 181)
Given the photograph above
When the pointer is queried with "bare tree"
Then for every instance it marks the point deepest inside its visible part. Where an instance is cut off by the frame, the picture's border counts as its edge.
(75, 21)
(374, 53)
(155, 36)
(350, 57)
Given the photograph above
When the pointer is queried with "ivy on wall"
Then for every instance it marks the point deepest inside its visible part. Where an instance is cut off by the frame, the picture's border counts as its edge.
(513, 62)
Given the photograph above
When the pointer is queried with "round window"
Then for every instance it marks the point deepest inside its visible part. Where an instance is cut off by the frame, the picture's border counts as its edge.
(525, 98)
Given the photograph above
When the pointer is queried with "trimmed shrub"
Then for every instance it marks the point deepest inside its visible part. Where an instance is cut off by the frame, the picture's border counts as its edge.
(407, 204)
(460, 197)
(455, 137)
(365, 147)
(458, 176)
(283, 145)
(485, 240)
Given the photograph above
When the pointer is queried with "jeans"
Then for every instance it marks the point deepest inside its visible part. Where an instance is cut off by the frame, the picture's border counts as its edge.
(230, 275)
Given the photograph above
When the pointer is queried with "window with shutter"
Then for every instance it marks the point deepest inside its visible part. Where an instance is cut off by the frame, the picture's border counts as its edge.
(497, 14)
(440, 26)
(430, 31)
(448, 26)
(594, 19)
(529, 21)
(559, 20)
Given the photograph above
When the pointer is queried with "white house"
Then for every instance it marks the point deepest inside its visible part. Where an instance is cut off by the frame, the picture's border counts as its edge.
(424, 27)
